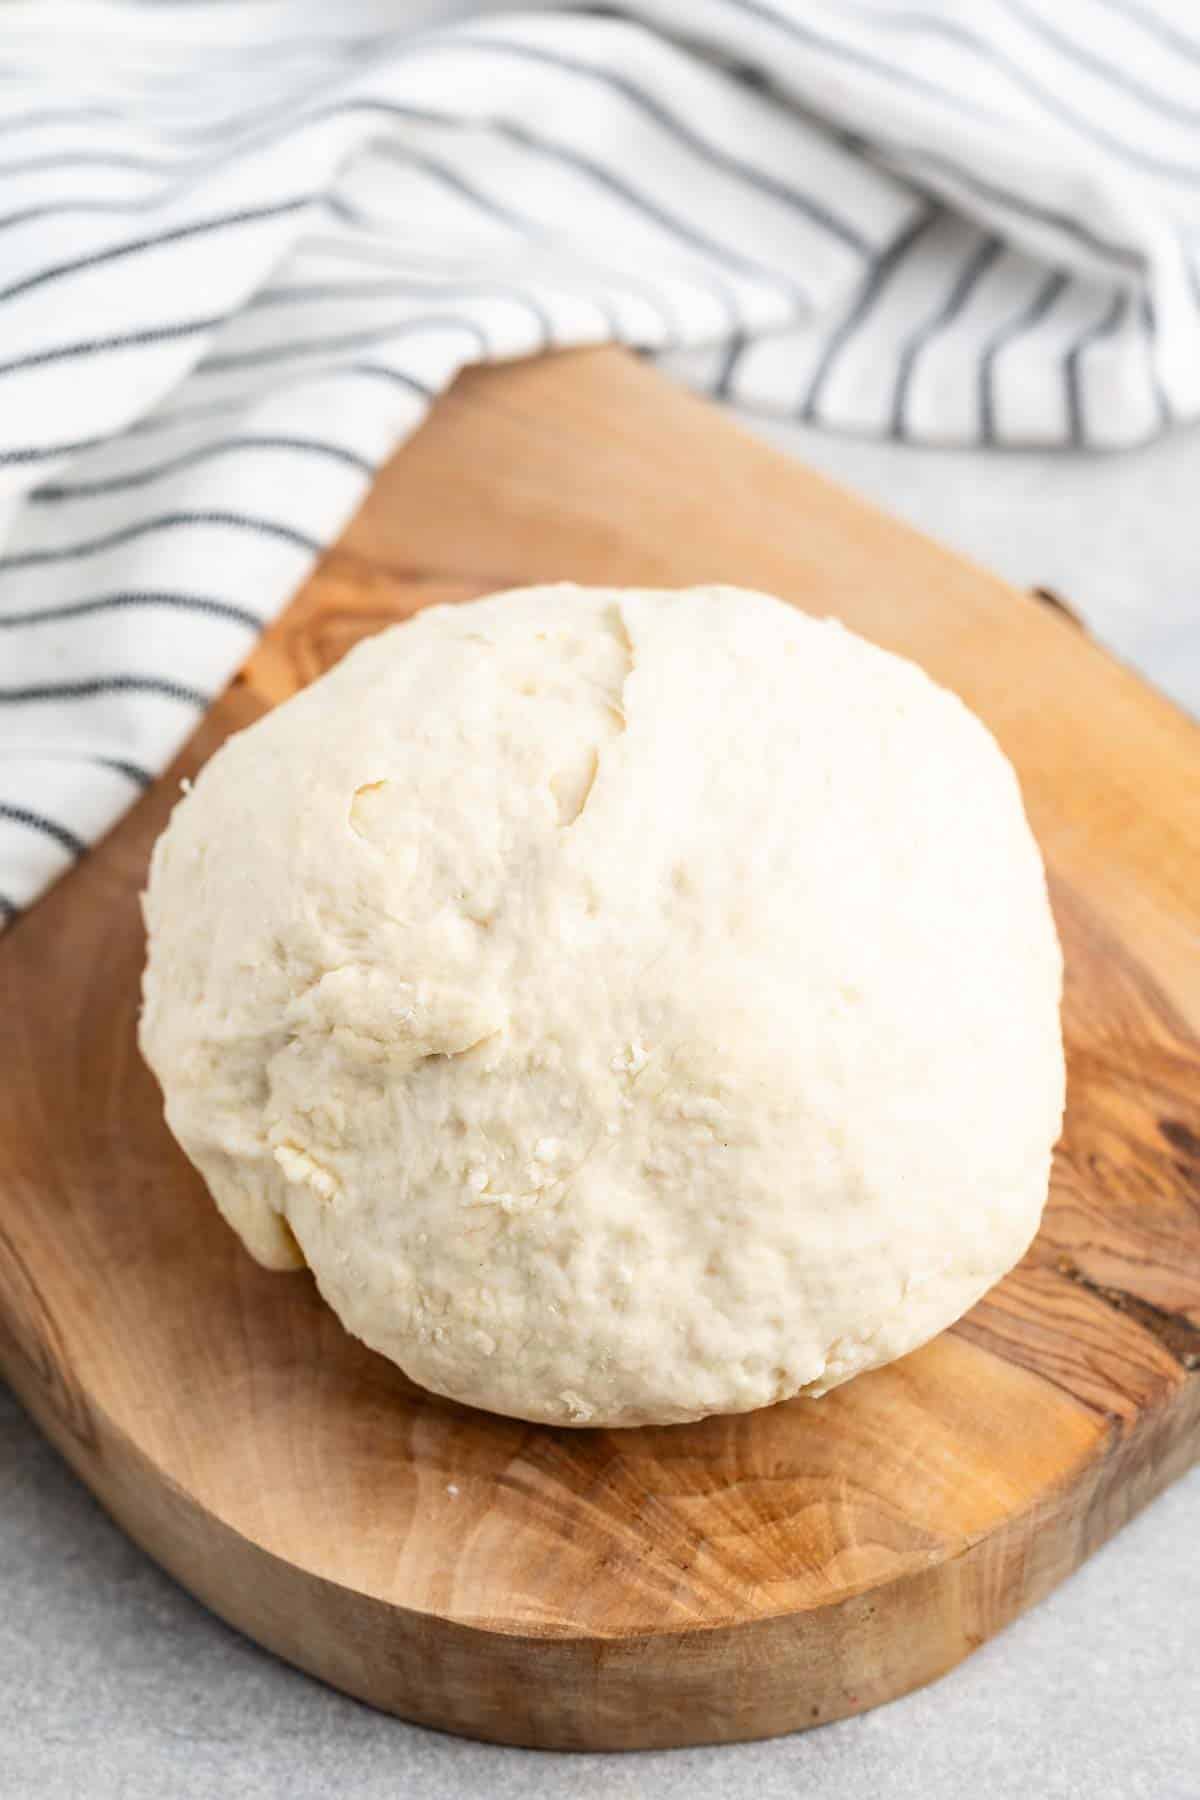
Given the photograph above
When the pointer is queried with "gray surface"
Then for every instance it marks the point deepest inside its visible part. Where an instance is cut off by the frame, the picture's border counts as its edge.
(114, 1685)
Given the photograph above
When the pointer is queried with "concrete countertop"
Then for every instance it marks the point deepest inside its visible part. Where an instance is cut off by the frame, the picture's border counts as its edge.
(115, 1685)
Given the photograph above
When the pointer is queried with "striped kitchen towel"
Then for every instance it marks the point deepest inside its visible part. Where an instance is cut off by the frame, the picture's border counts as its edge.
(243, 247)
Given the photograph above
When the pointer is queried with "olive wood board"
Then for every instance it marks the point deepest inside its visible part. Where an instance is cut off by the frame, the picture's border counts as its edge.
(620, 1589)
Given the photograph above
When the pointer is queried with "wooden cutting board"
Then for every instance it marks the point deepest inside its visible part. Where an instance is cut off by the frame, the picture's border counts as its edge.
(608, 1589)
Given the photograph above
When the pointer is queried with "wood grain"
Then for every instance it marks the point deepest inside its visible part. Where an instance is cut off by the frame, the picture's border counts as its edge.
(599, 1589)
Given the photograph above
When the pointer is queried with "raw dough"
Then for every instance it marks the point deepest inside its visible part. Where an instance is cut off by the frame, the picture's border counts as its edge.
(635, 1005)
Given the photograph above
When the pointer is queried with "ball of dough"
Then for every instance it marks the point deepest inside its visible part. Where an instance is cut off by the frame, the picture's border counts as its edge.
(635, 1005)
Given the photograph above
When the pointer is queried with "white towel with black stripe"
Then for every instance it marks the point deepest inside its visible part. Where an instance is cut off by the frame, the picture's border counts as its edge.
(243, 248)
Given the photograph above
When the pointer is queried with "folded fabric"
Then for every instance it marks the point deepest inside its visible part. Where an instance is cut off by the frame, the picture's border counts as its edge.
(243, 248)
